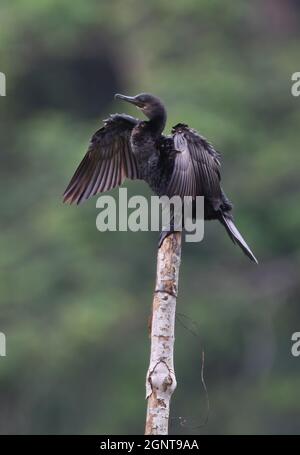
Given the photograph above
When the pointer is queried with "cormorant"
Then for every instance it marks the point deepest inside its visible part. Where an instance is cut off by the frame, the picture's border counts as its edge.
(183, 163)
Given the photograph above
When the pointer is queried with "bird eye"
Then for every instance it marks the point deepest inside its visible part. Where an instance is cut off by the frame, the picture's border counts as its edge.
(143, 99)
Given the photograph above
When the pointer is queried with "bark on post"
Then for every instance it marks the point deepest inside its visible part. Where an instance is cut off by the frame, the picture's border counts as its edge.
(161, 380)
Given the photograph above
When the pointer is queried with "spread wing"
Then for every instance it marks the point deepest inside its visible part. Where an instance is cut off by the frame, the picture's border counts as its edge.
(108, 161)
(196, 170)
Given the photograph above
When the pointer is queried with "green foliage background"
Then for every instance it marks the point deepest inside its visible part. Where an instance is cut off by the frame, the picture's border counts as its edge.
(74, 302)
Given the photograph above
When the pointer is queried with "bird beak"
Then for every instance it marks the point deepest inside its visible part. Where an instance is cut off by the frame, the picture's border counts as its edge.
(129, 99)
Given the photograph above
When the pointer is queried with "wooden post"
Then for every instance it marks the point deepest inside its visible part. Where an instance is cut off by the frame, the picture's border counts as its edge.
(161, 380)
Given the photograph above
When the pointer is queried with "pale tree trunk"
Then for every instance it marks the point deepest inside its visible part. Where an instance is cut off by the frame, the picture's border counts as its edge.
(161, 380)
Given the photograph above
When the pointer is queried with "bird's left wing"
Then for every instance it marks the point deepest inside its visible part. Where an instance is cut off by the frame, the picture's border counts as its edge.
(108, 161)
(196, 170)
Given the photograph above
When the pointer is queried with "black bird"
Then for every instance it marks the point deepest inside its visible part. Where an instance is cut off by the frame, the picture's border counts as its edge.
(183, 164)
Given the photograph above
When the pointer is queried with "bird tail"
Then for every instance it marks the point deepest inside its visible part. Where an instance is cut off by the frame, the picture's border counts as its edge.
(236, 236)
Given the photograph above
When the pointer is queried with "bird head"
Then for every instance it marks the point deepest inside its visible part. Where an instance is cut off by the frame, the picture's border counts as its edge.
(150, 105)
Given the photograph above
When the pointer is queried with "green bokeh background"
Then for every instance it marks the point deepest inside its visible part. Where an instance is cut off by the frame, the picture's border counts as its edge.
(74, 302)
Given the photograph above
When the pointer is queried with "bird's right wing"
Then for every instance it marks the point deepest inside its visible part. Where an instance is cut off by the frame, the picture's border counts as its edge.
(196, 170)
(108, 161)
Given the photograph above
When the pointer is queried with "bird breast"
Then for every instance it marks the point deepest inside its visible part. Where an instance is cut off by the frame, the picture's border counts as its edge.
(144, 147)
(143, 144)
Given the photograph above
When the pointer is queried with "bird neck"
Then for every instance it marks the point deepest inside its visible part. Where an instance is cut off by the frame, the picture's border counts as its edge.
(157, 122)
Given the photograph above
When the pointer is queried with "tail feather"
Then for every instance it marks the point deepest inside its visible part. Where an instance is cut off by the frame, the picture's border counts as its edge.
(231, 229)
(236, 236)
